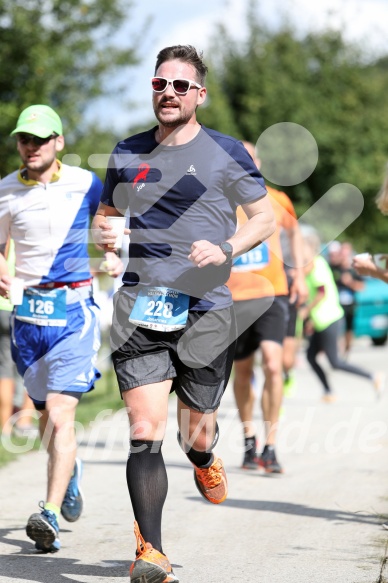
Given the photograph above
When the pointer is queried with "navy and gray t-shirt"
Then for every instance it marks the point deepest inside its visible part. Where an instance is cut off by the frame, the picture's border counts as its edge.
(177, 195)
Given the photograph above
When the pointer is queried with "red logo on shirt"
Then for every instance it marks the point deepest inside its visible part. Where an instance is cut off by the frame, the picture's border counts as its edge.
(142, 173)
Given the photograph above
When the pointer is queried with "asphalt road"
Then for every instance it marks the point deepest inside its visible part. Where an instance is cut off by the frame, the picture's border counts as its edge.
(318, 522)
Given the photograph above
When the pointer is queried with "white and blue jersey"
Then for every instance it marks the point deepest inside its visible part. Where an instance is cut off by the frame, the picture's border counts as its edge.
(55, 331)
(49, 223)
(177, 195)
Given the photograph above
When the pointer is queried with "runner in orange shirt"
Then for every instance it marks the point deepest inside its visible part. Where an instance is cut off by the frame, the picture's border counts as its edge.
(259, 287)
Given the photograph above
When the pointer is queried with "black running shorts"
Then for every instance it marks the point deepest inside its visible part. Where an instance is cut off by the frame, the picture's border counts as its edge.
(198, 357)
(270, 324)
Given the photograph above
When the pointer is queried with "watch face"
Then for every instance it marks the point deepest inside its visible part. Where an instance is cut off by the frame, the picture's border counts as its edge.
(227, 247)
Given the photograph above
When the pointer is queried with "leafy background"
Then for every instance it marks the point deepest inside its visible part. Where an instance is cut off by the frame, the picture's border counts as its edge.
(70, 53)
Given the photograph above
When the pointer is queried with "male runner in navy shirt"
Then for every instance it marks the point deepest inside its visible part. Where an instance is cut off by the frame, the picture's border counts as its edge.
(173, 321)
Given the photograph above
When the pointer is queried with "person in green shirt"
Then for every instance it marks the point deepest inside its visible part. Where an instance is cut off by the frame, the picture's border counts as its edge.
(324, 318)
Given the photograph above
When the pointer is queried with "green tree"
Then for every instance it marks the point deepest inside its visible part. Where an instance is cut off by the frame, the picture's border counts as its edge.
(60, 52)
(332, 88)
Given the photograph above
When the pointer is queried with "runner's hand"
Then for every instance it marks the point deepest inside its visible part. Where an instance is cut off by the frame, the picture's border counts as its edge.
(5, 284)
(112, 264)
(205, 253)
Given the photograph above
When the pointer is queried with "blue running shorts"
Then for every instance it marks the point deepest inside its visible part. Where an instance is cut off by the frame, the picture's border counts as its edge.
(55, 358)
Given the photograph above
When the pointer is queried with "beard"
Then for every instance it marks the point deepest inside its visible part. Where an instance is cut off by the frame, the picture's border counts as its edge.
(43, 163)
(40, 169)
(183, 118)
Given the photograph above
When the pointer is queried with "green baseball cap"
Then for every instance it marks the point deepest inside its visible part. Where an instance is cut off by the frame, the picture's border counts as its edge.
(38, 120)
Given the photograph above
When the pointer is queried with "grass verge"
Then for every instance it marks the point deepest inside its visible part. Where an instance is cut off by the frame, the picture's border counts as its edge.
(105, 396)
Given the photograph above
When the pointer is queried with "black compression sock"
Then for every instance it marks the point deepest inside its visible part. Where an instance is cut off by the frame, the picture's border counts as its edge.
(201, 459)
(147, 486)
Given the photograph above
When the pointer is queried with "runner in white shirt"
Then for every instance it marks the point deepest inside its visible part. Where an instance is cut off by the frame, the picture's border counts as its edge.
(45, 207)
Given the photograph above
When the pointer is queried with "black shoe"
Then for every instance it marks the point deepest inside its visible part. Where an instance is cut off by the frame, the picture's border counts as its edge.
(251, 459)
(268, 461)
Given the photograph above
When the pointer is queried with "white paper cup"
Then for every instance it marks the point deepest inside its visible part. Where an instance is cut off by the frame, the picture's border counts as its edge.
(118, 226)
(16, 291)
(380, 260)
(363, 256)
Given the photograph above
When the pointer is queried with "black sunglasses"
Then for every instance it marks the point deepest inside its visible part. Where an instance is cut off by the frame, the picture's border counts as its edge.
(180, 86)
(26, 139)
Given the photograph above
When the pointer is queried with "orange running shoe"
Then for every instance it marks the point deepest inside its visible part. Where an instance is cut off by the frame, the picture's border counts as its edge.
(211, 482)
(150, 565)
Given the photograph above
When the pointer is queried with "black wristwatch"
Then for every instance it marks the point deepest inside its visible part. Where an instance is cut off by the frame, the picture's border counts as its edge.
(227, 250)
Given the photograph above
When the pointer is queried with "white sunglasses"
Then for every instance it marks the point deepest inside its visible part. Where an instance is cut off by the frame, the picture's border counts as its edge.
(180, 86)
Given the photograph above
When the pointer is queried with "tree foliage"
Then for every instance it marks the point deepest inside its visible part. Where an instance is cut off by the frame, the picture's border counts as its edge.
(59, 52)
(321, 82)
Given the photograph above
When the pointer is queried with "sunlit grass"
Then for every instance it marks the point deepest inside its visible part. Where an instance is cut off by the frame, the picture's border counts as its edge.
(104, 397)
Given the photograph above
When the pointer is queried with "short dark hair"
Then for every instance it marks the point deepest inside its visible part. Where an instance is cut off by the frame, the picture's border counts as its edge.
(186, 53)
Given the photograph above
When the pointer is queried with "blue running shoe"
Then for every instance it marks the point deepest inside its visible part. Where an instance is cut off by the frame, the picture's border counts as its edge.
(43, 529)
(72, 504)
